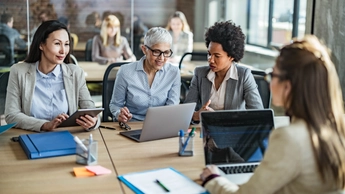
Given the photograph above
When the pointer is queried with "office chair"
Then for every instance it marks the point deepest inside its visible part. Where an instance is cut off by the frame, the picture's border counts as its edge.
(186, 79)
(88, 50)
(107, 90)
(196, 56)
(263, 87)
(73, 59)
(3, 90)
(185, 83)
(6, 51)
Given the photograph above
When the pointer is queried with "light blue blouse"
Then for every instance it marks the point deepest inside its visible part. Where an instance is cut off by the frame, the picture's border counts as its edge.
(49, 98)
(131, 89)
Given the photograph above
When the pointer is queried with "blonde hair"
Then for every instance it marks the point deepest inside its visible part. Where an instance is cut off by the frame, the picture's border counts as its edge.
(110, 21)
(182, 17)
(316, 98)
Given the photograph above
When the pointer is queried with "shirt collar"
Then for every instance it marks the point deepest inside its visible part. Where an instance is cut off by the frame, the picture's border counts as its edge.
(56, 72)
(231, 73)
(140, 65)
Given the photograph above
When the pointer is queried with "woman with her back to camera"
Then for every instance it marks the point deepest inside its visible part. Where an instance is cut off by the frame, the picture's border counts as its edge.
(109, 46)
(45, 88)
(309, 155)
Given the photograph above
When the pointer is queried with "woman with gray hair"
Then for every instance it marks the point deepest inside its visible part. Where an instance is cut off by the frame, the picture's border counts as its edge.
(149, 82)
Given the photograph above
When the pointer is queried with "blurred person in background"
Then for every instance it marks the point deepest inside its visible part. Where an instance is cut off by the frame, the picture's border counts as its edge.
(109, 46)
(182, 36)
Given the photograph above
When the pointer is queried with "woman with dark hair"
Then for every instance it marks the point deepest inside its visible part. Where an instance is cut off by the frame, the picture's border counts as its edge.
(223, 84)
(45, 88)
(309, 155)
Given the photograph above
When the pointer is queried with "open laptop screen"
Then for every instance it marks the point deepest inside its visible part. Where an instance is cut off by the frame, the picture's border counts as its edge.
(236, 136)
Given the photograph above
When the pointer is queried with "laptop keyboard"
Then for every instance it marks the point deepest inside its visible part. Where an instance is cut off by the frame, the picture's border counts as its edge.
(136, 136)
(238, 169)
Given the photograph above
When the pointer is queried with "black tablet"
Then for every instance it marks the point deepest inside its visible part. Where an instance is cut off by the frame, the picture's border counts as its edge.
(71, 121)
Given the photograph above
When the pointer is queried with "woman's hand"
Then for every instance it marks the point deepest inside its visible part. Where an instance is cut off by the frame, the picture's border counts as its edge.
(210, 169)
(124, 115)
(49, 126)
(87, 121)
(196, 115)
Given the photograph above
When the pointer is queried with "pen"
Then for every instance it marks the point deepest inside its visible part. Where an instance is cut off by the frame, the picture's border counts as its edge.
(186, 143)
(89, 152)
(181, 133)
(78, 141)
(113, 128)
(160, 184)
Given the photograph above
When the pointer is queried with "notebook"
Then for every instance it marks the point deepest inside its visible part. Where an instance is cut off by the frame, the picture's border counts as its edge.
(163, 122)
(48, 144)
(236, 140)
(163, 180)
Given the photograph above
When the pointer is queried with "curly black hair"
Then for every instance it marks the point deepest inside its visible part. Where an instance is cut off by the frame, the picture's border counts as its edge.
(229, 36)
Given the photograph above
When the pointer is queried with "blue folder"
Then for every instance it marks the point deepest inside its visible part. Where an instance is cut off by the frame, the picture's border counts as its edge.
(48, 144)
(4, 128)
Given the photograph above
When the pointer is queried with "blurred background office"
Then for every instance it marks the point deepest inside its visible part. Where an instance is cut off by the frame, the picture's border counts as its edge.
(267, 24)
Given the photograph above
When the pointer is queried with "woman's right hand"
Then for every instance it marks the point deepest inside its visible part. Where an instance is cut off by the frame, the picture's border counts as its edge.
(124, 115)
(49, 126)
(205, 107)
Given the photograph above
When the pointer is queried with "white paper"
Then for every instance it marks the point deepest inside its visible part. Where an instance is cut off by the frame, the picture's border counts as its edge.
(171, 179)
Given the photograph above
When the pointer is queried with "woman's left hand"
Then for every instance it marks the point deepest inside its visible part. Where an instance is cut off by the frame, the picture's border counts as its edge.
(87, 121)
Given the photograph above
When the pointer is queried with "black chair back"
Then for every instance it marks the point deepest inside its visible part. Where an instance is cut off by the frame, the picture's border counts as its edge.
(88, 50)
(108, 87)
(6, 51)
(263, 87)
(196, 56)
(3, 90)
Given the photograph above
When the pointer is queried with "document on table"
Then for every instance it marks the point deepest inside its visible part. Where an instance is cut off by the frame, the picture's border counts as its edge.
(161, 180)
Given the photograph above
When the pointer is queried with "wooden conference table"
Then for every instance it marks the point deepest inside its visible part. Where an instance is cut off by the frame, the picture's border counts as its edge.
(18, 174)
(122, 155)
(129, 156)
(94, 72)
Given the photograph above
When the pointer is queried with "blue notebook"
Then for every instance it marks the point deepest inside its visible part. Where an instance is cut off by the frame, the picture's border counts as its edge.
(48, 144)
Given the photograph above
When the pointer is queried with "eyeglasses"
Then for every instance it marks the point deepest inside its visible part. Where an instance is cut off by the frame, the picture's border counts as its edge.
(124, 126)
(270, 75)
(158, 53)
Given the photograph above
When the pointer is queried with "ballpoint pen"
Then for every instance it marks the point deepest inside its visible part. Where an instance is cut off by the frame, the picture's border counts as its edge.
(106, 127)
(160, 184)
(187, 140)
(82, 146)
(89, 152)
(181, 134)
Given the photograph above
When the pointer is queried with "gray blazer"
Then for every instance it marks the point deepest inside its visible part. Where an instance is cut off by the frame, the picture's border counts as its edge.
(241, 94)
(21, 86)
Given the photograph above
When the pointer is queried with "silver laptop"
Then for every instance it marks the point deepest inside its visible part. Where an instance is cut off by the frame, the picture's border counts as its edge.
(236, 140)
(163, 122)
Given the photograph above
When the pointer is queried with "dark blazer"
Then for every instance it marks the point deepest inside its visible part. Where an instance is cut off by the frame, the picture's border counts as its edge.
(240, 94)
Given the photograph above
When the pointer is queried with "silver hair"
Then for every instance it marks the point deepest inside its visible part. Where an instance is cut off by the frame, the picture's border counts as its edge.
(157, 35)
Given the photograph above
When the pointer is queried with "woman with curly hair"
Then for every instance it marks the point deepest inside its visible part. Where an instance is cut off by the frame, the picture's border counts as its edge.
(308, 156)
(223, 84)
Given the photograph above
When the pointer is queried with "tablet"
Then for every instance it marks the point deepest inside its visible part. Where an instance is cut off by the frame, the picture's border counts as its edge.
(71, 121)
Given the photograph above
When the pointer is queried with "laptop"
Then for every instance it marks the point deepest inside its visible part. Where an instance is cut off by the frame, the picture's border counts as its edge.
(163, 122)
(236, 140)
